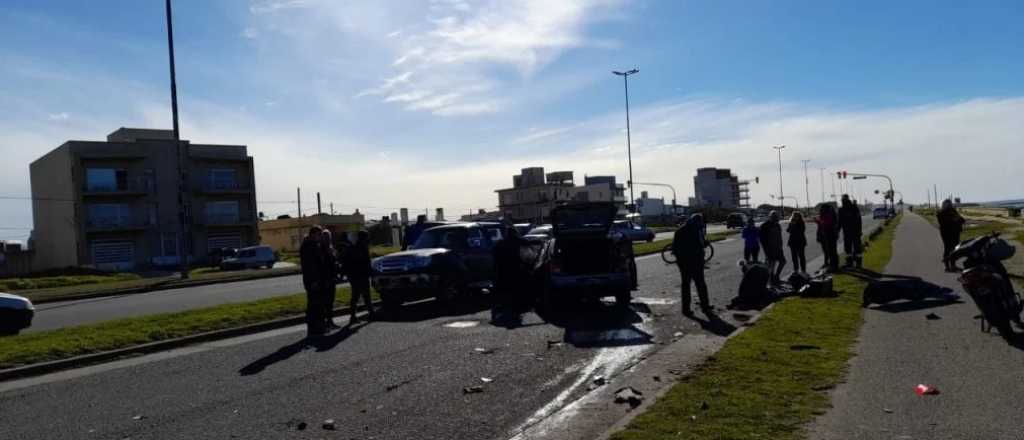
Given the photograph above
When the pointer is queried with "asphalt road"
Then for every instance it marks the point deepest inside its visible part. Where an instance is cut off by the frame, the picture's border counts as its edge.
(978, 375)
(402, 377)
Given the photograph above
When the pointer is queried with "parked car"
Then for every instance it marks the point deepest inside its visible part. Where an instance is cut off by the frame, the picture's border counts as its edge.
(16, 313)
(250, 258)
(586, 258)
(735, 220)
(878, 213)
(445, 262)
(634, 231)
(540, 232)
(523, 228)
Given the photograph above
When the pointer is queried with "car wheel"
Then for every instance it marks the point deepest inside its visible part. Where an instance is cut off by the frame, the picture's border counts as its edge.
(390, 300)
(622, 299)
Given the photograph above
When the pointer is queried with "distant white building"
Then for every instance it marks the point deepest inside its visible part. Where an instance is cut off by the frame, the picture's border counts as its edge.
(648, 207)
(719, 188)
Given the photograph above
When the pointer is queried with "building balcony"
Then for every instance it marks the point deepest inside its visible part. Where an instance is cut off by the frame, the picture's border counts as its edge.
(117, 224)
(226, 220)
(224, 187)
(130, 188)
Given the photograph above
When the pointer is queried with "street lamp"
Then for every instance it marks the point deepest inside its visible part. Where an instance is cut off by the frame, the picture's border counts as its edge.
(807, 183)
(629, 147)
(779, 149)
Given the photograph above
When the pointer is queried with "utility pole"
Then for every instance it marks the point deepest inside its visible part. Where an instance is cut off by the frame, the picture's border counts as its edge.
(936, 188)
(822, 185)
(332, 208)
(298, 198)
(833, 187)
(629, 147)
(781, 196)
(807, 183)
(184, 239)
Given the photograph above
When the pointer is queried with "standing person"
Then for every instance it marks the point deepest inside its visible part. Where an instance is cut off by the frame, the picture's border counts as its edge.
(771, 241)
(688, 245)
(412, 232)
(751, 242)
(311, 260)
(797, 241)
(828, 236)
(850, 223)
(329, 277)
(357, 267)
(508, 278)
(951, 224)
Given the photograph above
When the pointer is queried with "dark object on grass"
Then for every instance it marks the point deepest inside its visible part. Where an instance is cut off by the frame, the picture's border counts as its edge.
(804, 347)
(798, 280)
(818, 287)
(886, 291)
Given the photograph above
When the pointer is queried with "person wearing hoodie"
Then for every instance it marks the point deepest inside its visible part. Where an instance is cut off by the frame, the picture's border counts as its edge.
(688, 245)
(751, 241)
(850, 223)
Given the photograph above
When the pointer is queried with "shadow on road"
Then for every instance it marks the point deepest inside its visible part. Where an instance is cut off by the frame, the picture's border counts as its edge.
(911, 306)
(432, 309)
(590, 324)
(321, 344)
(714, 324)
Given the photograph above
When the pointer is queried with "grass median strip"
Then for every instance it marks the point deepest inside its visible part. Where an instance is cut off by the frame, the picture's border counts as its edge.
(110, 335)
(759, 385)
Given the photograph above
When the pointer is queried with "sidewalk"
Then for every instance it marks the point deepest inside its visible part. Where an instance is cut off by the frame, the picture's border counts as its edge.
(978, 374)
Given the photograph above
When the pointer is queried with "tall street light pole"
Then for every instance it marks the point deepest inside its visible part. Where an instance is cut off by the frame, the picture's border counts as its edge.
(629, 147)
(183, 239)
(807, 183)
(781, 196)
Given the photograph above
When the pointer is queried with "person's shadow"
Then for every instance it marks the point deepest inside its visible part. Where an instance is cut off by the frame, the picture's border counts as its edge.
(714, 324)
(320, 343)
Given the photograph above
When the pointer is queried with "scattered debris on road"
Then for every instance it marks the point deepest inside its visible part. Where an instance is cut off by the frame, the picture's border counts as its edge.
(657, 378)
(629, 395)
(887, 410)
(804, 347)
(473, 389)
(482, 350)
(554, 344)
(329, 425)
(297, 424)
(926, 390)
(932, 317)
(139, 417)
(486, 380)
(600, 381)
(462, 324)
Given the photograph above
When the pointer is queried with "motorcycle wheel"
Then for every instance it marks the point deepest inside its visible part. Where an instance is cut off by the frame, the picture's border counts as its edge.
(709, 253)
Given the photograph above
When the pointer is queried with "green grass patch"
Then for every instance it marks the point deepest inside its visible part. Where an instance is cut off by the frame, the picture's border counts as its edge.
(49, 282)
(109, 335)
(757, 386)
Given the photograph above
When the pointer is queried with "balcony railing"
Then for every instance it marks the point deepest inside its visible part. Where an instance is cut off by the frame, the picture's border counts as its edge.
(131, 186)
(227, 219)
(116, 223)
(224, 186)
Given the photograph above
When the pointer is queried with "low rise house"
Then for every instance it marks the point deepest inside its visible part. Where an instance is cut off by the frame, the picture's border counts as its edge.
(286, 235)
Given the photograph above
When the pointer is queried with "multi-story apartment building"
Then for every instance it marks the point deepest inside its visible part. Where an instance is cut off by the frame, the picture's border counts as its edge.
(719, 188)
(115, 204)
(534, 194)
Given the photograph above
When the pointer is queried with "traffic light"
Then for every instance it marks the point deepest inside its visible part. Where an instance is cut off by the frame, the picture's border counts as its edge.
(844, 174)
(757, 180)
(839, 174)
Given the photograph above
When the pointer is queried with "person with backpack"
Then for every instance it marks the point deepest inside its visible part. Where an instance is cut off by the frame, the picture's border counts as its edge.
(751, 241)
(688, 245)
(797, 241)
(771, 241)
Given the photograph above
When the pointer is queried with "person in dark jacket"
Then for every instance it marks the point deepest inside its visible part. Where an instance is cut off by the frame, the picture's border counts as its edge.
(509, 276)
(312, 262)
(329, 277)
(751, 241)
(412, 232)
(688, 245)
(357, 267)
(771, 241)
(850, 223)
(951, 224)
(797, 241)
(828, 235)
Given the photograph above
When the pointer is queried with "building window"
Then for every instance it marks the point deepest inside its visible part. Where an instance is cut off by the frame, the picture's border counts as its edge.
(105, 179)
(222, 179)
(222, 212)
(109, 214)
(169, 244)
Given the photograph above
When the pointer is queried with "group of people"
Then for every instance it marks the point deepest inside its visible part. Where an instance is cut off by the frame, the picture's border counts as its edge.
(324, 262)
(690, 241)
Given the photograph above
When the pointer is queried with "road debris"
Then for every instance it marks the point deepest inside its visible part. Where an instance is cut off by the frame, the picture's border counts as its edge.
(629, 395)
(297, 424)
(554, 344)
(139, 417)
(677, 335)
(473, 389)
(657, 378)
(926, 390)
(704, 406)
(486, 380)
(887, 410)
(329, 425)
(600, 381)
(482, 350)
(932, 317)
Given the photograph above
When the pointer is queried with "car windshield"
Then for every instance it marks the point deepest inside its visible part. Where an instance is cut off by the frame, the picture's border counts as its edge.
(448, 238)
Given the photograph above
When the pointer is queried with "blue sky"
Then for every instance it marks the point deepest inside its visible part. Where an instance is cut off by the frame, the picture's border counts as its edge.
(382, 104)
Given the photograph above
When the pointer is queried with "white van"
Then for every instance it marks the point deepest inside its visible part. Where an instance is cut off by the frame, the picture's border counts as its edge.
(250, 258)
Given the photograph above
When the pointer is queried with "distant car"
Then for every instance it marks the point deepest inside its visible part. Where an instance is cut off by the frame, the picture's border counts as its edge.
(633, 231)
(880, 213)
(16, 313)
(540, 232)
(735, 220)
(250, 258)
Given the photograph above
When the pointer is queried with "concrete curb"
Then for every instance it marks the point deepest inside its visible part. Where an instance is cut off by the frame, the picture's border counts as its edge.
(41, 368)
(165, 285)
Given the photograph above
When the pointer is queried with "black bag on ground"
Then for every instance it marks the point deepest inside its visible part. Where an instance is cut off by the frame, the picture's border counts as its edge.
(798, 280)
(818, 287)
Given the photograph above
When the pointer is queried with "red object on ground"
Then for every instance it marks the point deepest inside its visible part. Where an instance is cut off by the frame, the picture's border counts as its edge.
(923, 390)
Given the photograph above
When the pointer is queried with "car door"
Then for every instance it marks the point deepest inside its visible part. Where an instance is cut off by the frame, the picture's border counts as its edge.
(479, 255)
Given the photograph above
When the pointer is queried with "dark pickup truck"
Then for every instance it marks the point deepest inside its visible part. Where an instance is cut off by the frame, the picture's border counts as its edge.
(445, 262)
(585, 258)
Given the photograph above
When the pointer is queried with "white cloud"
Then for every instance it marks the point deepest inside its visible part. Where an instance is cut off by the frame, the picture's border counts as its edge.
(250, 33)
(62, 116)
(275, 6)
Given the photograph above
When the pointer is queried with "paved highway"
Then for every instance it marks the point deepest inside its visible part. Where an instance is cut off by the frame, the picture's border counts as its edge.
(399, 378)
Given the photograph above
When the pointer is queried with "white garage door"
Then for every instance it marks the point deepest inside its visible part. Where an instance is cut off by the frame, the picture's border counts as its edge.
(113, 254)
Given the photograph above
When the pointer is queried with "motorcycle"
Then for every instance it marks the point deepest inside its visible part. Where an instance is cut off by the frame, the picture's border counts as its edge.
(986, 281)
